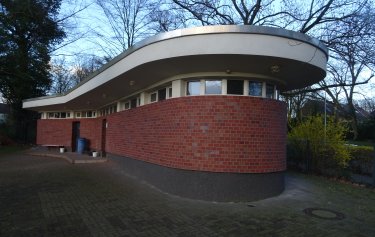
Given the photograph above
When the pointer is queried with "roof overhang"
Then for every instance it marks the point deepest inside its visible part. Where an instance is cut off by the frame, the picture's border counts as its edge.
(253, 50)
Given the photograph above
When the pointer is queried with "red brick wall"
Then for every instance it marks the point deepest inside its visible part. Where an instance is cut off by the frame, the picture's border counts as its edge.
(91, 129)
(59, 132)
(54, 132)
(206, 133)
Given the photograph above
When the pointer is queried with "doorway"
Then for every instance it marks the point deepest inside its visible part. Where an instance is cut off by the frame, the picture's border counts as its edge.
(104, 131)
(75, 135)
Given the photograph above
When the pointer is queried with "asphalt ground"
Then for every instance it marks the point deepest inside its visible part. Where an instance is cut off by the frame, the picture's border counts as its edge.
(43, 196)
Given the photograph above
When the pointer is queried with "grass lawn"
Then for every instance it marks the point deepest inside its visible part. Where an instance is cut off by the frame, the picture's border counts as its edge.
(361, 143)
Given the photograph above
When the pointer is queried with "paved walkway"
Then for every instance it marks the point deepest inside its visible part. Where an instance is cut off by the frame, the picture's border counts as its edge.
(71, 157)
(43, 196)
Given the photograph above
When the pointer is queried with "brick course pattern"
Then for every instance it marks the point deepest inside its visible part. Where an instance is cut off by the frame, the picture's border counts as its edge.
(206, 133)
(237, 134)
(54, 132)
(59, 132)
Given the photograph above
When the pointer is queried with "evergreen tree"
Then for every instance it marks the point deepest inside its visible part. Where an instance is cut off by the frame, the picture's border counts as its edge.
(28, 31)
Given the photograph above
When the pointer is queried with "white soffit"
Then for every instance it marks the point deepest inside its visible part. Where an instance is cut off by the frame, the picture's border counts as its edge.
(251, 41)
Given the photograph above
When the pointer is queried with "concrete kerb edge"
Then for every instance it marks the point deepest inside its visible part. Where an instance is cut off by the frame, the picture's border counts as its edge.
(71, 161)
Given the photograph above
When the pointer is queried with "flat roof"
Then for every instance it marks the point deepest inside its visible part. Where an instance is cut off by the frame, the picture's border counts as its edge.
(196, 31)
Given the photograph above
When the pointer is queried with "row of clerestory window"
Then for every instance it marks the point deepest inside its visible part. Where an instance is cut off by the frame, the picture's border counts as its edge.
(233, 87)
(193, 87)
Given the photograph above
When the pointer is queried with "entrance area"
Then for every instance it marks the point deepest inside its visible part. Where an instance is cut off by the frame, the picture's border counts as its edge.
(75, 135)
(104, 131)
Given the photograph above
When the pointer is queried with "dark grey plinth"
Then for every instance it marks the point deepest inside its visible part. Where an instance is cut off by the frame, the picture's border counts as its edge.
(209, 186)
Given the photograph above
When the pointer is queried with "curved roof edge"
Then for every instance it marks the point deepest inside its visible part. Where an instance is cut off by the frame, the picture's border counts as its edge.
(213, 29)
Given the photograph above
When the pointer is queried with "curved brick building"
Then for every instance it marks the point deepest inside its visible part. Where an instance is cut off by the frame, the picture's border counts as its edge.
(194, 112)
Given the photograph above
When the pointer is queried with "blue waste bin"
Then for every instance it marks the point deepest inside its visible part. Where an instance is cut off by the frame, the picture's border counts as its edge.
(81, 144)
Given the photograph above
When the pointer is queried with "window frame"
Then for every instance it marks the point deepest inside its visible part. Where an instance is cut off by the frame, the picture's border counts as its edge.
(243, 86)
(261, 88)
(213, 80)
(198, 81)
(156, 96)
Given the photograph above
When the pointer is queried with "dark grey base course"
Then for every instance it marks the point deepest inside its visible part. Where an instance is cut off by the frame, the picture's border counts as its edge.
(209, 186)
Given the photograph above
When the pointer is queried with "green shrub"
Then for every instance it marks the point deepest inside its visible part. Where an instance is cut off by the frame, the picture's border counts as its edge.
(325, 147)
(366, 130)
(362, 159)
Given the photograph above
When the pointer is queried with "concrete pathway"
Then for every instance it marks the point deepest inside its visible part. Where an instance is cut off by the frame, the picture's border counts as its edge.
(43, 196)
(71, 157)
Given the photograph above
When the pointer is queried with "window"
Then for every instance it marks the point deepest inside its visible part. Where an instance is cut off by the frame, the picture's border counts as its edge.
(170, 92)
(113, 109)
(193, 88)
(235, 87)
(255, 88)
(127, 105)
(89, 114)
(78, 114)
(133, 103)
(270, 93)
(57, 115)
(162, 94)
(154, 97)
(213, 87)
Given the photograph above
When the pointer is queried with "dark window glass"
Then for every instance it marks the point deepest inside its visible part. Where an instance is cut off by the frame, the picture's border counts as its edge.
(63, 115)
(153, 97)
(235, 87)
(162, 94)
(255, 88)
(170, 92)
(270, 91)
(213, 87)
(133, 103)
(193, 88)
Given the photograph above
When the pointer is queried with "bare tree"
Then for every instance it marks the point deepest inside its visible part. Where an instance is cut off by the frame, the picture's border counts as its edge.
(86, 65)
(228, 12)
(368, 104)
(66, 74)
(63, 78)
(295, 104)
(352, 61)
(166, 18)
(128, 21)
(69, 19)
